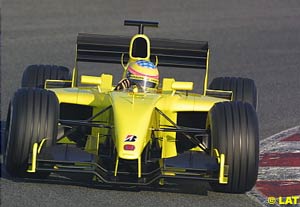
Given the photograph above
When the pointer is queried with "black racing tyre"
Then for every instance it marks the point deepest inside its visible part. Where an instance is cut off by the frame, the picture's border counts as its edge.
(33, 115)
(234, 132)
(35, 76)
(243, 89)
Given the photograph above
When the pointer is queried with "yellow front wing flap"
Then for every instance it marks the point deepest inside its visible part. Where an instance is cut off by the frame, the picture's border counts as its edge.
(36, 149)
(223, 178)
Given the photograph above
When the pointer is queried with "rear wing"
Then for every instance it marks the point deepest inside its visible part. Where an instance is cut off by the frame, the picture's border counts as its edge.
(171, 53)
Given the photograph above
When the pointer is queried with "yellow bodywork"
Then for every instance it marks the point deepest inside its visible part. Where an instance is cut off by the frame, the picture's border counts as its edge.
(134, 112)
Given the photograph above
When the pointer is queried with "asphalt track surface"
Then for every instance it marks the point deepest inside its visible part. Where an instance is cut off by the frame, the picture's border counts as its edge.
(258, 39)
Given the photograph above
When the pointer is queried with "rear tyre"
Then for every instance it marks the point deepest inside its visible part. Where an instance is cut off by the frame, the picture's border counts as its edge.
(234, 132)
(33, 115)
(243, 89)
(35, 76)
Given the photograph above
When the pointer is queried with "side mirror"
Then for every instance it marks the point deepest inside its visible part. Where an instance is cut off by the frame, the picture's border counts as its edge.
(182, 86)
(92, 80)
(104, 82)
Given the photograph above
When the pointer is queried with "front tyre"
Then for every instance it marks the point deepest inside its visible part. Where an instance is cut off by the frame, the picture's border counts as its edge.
(234, 132)
(33, 115)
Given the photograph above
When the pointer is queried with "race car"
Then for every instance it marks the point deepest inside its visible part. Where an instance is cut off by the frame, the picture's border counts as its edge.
(139, 135)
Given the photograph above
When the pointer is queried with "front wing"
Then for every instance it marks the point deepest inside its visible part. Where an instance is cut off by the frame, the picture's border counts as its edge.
(67, 158)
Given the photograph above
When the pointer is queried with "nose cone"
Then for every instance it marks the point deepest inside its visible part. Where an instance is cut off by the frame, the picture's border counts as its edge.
(133, 119)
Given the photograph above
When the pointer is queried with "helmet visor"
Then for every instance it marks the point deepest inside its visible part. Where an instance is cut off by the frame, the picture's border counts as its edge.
(143, 82)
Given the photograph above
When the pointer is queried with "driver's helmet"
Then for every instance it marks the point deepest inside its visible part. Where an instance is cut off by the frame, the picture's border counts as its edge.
(143, 74)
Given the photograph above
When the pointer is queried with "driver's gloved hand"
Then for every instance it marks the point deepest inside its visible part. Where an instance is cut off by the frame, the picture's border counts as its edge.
(123, 84)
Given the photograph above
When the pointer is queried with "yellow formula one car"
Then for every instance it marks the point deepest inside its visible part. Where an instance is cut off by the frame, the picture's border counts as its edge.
(138, 132)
